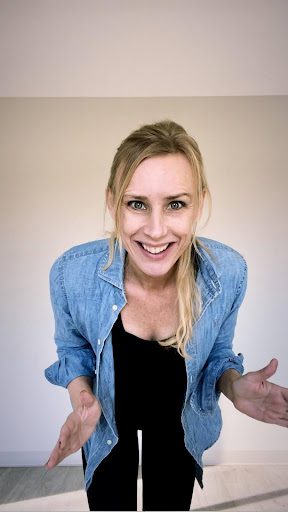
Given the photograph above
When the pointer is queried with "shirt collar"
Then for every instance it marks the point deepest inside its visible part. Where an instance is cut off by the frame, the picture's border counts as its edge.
(208, 271)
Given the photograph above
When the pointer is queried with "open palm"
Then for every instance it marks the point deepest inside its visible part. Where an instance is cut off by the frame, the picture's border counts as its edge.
(77, 429)
(260, 399)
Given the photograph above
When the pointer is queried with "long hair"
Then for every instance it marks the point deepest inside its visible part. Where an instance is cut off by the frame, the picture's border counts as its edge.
(162, 138)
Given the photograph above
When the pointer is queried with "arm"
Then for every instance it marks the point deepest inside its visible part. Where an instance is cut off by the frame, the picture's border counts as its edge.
(75, 388)
(222, 363)
(79, 425)
(226, 381)
(252, 394)
(75, 355)
(74, 370)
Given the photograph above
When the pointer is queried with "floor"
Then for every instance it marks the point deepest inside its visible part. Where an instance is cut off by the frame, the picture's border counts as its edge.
(227, 488)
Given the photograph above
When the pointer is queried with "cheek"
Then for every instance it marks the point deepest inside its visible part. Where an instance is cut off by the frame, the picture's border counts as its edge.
(184, 225)
(129, 223)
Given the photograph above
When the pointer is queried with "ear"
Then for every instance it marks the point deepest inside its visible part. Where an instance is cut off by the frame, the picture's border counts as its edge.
(110, 202)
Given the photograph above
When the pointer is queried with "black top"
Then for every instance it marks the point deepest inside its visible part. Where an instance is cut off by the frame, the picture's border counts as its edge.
(150, 381)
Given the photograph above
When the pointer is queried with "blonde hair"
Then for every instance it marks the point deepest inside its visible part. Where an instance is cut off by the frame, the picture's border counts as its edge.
(164, 137)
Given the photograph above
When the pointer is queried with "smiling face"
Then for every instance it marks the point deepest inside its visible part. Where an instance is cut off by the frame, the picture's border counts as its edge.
(157, 216)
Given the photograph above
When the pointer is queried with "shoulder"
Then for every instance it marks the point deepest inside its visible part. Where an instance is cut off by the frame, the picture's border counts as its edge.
(95, 247)
(81, 258)
(220, 253)
(229, 265)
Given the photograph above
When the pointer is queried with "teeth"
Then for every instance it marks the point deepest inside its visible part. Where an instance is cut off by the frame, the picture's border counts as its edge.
(155, 250)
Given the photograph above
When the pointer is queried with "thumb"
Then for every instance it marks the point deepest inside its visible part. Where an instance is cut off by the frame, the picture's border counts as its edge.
(269, 370)
(86, 398)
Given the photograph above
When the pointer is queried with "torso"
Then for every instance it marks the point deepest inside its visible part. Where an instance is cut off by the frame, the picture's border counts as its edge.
(150, 383)
(150, 315)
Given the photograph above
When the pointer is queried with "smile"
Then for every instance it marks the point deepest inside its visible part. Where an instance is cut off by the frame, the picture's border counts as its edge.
(154, 250)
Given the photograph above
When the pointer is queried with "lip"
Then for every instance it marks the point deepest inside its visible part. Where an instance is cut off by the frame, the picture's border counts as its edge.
(158, 256)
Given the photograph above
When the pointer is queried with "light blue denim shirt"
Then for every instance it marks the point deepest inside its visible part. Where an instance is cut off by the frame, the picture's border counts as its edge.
(86, 301)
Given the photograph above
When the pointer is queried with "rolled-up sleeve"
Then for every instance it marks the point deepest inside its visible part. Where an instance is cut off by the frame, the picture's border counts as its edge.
(222, 356)
(75, 355)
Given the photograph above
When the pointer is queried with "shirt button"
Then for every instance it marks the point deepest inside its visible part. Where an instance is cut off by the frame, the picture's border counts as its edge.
(114, 307)
(99, 342)
(109, 441)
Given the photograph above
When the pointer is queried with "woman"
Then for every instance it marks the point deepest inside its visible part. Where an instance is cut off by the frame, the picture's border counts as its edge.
(144, 330)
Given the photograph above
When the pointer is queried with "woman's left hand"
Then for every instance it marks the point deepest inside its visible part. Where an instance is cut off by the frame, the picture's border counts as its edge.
(260, 399)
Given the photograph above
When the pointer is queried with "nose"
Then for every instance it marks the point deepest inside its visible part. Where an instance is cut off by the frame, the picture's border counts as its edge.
(155, 226)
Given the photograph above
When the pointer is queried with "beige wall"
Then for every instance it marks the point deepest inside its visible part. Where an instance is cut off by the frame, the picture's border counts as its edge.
(55, 156)
(143, 48)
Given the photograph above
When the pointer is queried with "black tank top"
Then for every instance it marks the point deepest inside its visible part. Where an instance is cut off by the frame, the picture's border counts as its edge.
(150, 381)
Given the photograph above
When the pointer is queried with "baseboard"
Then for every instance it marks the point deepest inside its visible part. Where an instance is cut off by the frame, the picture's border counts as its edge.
(14, 459)
(246, 457)
(37, 458)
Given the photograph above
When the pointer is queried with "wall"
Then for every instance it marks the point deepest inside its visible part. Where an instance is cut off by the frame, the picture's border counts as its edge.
(134, 48)
(55, 155)
(93, 71)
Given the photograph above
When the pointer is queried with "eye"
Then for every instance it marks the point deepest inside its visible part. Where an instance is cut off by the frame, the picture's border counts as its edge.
(136, 205)
(176, 205)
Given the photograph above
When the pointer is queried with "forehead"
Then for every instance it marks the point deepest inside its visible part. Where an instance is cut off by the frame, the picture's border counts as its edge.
(171, 173)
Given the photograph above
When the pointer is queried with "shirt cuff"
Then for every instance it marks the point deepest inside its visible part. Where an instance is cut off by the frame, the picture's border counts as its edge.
(207, 395)
(68, 368)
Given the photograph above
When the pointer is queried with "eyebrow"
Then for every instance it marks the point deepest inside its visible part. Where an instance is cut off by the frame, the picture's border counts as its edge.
(170, 198)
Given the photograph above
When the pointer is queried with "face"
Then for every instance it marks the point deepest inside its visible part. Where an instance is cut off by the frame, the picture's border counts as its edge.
(157, 215)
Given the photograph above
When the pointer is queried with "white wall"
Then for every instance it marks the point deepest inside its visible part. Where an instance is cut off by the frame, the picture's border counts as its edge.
(55, 156)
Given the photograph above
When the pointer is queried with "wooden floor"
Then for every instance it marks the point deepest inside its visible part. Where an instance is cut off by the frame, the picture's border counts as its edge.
(226, 488)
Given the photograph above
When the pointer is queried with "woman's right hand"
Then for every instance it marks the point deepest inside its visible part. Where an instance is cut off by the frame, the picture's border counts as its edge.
(77, 428)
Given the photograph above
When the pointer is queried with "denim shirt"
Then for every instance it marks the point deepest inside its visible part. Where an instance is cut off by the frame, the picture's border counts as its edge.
(86, 302)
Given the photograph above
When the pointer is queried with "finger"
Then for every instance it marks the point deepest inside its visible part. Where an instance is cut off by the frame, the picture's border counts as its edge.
(55, 457)
(281, 422)
(60, 450)
(55, 460)
(285, 395)
(269, 370)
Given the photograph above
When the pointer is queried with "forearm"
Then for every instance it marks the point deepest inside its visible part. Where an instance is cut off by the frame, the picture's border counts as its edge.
(225, 383)
(76, 386)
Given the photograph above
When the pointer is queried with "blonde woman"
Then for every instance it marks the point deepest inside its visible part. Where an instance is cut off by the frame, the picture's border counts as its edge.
(144, 330)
